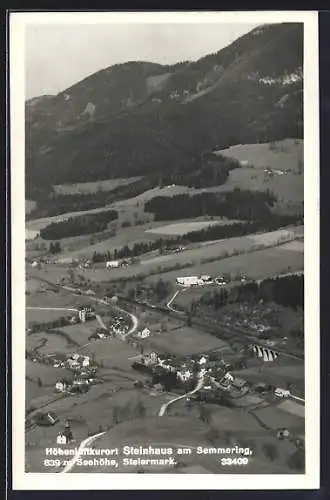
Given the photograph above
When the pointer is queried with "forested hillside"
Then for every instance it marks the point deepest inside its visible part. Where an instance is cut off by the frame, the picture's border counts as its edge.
(140, 118)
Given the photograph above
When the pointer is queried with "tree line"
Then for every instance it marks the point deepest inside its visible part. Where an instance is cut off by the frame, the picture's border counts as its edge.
(77, 226)
(204, 170)
(236, 204)
(211, 233)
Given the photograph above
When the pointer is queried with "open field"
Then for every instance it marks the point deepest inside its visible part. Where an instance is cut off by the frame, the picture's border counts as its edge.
(51, 299)
(93, 187)
(150, 231)
(43, 315)
(293, 408)
(111, 352)
(193, 254)
(80, 332)
(179, 229)
(184, 341)
(260, 264)
(47, 373)
(279, 374)
(282, 155)
(274, 417)
(170, 430)
(33, 392)
(55, 343)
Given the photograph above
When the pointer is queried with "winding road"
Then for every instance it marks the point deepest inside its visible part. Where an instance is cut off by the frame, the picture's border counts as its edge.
(84, 444)
(164, 407)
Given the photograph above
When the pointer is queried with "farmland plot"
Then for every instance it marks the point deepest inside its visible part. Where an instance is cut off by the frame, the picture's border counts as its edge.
(258, 265)
(184, 341)
(111, 352)
(178, 229)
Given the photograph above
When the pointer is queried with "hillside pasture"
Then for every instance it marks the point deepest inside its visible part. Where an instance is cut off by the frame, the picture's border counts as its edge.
(51, 299)
(275, 417)
(80, 332)
(93, 187)
(194, 255)
(178, 229)
(149, 231)
(44, 315)
(47, 373)
(279, 155)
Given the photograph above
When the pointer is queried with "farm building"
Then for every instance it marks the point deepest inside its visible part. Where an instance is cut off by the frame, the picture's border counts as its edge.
(281, 393)
(189, 281)
(112, 264)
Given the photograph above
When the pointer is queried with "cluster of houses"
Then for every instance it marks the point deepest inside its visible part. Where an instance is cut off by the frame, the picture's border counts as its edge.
(84, 373)
(114, 264)
(117, 328)
(83, 314)
(271, 172)
(216, 377)
(215, 374)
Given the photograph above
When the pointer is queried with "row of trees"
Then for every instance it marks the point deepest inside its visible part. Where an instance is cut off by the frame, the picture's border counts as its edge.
(212, 232)
(236, 204)
(77, 226)
(287, 291)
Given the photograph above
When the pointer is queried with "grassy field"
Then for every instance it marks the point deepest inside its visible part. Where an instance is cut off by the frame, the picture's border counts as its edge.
(93, 187)
(111, 353)
(279, 374)
(47, 373)
(183, 341)
(280, 155)
(181, 228)
(194, 254)
(275, 417)
(40, 316)
(263, 263)
(80, 332)
(50, 299)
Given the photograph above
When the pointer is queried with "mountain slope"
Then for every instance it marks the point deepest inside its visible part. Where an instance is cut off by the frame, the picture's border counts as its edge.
(139, 118)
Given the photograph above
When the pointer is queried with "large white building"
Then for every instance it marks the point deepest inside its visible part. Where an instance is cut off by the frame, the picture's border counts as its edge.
(112, 264)
(189, 281)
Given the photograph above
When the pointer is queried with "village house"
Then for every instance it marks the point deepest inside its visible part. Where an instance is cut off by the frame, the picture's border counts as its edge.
(144, 334)
(61, 385)
(80, 381)
(202, 360)
(86, 361)
(61, 439)
(184, 376)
